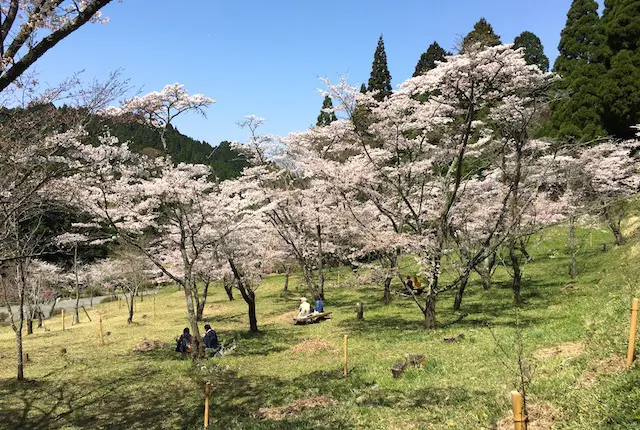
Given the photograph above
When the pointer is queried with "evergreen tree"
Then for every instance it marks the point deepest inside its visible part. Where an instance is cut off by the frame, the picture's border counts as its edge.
(533, 49)
(363, 89)
(325, 117)
(583, 51)
(481, 36)
(428, 59)
(380, 79)
(621, 85)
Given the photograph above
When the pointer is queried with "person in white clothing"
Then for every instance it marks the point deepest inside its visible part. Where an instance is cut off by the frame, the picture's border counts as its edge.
(305, 307)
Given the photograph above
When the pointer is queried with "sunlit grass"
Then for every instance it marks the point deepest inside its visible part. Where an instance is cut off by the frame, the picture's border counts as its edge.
(463, 385)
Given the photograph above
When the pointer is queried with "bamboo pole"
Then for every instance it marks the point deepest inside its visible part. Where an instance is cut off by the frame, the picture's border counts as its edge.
(632, 332)
(345, 355)
(87, 313)
(101, 333)
(207, 393)
(519, 419)
(63, 320)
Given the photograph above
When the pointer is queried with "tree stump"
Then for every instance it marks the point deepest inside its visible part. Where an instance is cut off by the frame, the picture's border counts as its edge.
(360, 310)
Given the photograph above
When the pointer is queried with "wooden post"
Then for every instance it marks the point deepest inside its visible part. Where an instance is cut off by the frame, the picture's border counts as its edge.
(63, 320)
(86, 313)
(345, 355)
(154, 306)
(519, 419)
(101, 334)
(632, 332)
(207, 393)
(590, 239)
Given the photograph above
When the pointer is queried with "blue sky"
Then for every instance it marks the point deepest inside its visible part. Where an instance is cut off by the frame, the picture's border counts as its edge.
(265, 57)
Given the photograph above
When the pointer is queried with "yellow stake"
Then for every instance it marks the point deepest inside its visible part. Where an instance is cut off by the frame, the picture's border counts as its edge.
(590, 239)
(632, 332)
(207, 393)
(519, 419)
(63, 319)
(345, 355)
(154, 306)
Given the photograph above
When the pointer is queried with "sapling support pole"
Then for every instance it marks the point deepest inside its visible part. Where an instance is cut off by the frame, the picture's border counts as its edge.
(632, 332)
(154, 306)
(519, 419)
(207, 394)
(63, 320)
(101, 333)
(86, 313)
(345, 355)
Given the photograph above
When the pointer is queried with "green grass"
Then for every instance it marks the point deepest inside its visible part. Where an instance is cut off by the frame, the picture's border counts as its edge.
(463, 385)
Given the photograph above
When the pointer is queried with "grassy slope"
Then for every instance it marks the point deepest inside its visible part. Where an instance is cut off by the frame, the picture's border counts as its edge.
(463, 385)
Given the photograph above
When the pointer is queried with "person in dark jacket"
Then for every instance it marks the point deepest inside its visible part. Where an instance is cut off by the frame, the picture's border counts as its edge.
(210, 339)
(184, 342)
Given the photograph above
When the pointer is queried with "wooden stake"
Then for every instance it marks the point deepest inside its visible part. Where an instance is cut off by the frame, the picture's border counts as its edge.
(154, 306)
(86, 313)
(207, 393)
(345, 355)
(101, 335)
(63, 320)
(590, 239)
(632, 332)
(519, 419)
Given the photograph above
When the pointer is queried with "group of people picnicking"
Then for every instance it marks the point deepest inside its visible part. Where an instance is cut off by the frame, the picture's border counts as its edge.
(414, 285)
(305, 307)
(210, 340)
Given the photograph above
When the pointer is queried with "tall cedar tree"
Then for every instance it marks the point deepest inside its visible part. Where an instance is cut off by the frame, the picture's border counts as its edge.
(533, 49)
(578, 114)
(428, 59)
(326, 117)
(380, 79)
(621, 85)
(481, 36)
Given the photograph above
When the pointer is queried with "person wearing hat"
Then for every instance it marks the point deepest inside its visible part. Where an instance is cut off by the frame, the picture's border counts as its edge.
(305, 307)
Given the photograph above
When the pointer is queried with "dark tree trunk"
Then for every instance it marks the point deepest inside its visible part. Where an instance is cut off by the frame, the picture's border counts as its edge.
(39, 318)
(253, 319)
(29, 325)
(76, 313)
(387, 290)
(198, 346)
(286, 279)
(430, 310)
(485, 270)
(19, 352)
(572, 246)
(517, 273)
(229, 291)
(130, 319)
(360, 310)
(463, 285)
(202, 302)
(248, 296)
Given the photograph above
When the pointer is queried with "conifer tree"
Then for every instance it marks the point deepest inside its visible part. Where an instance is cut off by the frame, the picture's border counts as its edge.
(326, 117)
(533, 49)
(428, 59)
(621, 85)
(583, 51)
(380, 79)
(481, 36)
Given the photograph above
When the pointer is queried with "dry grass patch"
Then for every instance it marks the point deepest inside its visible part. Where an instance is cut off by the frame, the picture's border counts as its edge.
(311, 346)
(294, 409)
(285, 318)
(149, 345)
(565, 350)
(541, 416)
(605, 366)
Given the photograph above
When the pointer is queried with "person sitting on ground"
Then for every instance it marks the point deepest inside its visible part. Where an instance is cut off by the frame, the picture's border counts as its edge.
(319, 306)
(305, 308)
(184, 342)
(417, 285)
(210, 340)
(409, 283)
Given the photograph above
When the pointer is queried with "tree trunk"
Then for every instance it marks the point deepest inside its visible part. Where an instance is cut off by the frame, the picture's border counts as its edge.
(463, 285)
(202, 301)
(320, 261)
(248, 295)
(572, 246)
(76, 315)
(485, 270)
(198, 346)
(517, 273)
(19, 351)
(430, 310)
(132, 298)
(29, 324)
(229, 289)
(39, 318)
(286, 279)
(387, 290)
(360, 311)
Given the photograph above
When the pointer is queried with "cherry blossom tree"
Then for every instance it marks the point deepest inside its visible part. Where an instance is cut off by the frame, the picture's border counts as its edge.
(30, 28)
(160, 108)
